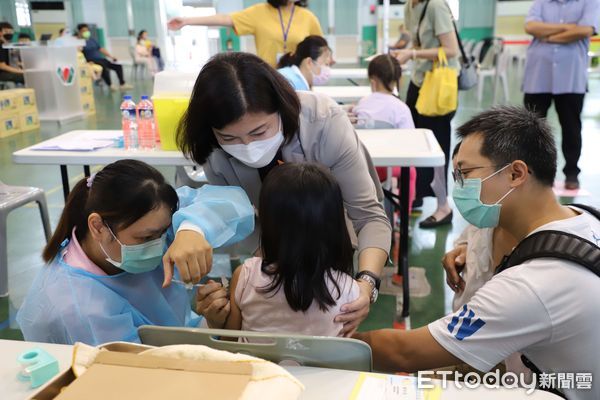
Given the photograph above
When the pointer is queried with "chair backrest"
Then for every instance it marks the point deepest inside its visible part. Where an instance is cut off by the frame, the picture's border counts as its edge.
(373, 124)
(309, 351)
(468, 46)
(476, 51)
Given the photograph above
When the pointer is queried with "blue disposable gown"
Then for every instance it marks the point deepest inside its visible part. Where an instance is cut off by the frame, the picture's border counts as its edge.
(67, 304)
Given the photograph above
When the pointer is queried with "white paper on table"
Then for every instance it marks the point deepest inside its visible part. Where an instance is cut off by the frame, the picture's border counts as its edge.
(73, 145)
(381, 387)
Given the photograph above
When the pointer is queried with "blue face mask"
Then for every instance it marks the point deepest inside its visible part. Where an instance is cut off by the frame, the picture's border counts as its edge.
(139, 258)
(468, 201)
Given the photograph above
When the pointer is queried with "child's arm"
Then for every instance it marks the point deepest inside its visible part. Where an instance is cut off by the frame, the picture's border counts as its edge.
(234, 320)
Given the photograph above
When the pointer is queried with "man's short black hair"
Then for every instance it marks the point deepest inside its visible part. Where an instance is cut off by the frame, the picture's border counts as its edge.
(513, 133)
(81, 26)
(5, 25)
(24, 35)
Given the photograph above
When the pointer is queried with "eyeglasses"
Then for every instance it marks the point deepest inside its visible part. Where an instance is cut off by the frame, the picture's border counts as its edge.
(458, 174)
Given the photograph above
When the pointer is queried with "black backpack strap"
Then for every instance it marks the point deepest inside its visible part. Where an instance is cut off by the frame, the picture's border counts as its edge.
(421, 20)
(554, 244)
(592, 210)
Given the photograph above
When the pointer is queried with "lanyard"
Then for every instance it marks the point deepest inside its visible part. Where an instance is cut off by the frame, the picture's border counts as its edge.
(283, 28)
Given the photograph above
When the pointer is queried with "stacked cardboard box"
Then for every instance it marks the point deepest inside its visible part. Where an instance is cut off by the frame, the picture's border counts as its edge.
(86, 88)
(18, 111)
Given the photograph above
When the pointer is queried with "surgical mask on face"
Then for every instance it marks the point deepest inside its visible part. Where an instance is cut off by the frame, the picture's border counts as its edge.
(468, 201)
(323, 77)
(8, 36)
(259, 153)
(86, 35)
(139, 258)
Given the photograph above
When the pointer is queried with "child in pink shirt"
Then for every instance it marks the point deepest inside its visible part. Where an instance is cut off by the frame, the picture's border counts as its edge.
(305, 273)
(383, 109)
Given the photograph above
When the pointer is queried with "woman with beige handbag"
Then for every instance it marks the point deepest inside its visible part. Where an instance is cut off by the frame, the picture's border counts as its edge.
(430, 23)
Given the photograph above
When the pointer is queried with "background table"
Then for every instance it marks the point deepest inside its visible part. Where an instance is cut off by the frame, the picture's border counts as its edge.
(344, 94)
(97, 157)
(320, 383)
(388, 148)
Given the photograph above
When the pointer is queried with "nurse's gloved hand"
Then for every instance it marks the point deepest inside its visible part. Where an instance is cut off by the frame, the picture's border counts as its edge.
(213, 304)
(192, 255)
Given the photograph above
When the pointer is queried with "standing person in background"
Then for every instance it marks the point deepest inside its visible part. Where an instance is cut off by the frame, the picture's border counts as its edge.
(277, 26)
(403, 40)
(99, 55)
(8, 73)
(309, 65)
(430, 24)
(556, 69)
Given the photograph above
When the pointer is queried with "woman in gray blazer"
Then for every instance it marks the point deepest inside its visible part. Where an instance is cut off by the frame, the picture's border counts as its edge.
(244, 119)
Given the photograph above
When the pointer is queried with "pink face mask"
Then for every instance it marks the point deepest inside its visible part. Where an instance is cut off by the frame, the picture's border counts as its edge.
(323, 77)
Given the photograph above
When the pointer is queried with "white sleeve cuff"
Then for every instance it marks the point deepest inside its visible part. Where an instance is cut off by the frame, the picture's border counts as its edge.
(189, 226)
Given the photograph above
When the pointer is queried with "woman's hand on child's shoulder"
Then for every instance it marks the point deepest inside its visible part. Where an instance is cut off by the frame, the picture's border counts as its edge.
(212, 302)
(354, 313)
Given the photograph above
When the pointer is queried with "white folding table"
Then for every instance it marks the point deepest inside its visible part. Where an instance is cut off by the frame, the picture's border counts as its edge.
(344, 94)
(319, 383)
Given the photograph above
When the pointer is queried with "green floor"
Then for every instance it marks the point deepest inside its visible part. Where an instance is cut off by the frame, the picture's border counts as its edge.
(25, 237)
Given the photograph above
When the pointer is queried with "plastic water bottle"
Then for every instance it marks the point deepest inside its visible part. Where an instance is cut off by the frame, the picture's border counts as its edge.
(146, 125)
(129, 123)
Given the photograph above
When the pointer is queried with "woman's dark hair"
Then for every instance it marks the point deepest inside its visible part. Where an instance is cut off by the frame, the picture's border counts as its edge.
(229, 86)
(81, 26)
(312, 46)
(122, 193)
(387, 70)
(283, 3)
(139, 37)
(304, 236)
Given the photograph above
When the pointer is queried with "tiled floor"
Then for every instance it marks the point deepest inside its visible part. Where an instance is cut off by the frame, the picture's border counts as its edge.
(25, 236)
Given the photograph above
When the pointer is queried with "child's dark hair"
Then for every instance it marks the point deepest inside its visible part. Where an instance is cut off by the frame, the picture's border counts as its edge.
(139, 36)
(122, 193)
(387, 70)
(304, 234)
(312, 46)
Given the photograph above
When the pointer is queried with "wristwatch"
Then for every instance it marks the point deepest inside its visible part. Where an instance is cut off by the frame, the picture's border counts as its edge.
(372, 280)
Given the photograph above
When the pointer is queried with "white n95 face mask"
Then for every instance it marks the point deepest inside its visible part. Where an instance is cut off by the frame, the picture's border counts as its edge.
(258, 153)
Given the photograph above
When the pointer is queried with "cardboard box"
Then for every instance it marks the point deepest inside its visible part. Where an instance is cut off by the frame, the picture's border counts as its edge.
(29, 121)
(8, 100)
(121, 373)
(85, 72)
(26, 99)
(9, 124)
(86, 88)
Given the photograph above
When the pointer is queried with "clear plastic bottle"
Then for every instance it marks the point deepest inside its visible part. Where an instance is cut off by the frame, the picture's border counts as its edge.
(129, 123)
(146, 124)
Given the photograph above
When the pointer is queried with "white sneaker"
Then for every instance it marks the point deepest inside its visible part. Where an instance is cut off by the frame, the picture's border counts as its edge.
(126, 86)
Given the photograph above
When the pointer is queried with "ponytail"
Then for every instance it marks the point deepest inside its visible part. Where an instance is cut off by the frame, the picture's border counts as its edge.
(121, 193)
(73, 215)
(387, 70)
(287, 60)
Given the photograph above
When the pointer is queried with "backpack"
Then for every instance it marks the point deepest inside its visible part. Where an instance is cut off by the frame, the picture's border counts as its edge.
(555, 244)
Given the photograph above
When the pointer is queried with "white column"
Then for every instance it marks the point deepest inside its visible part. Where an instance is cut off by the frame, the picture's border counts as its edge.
(386, 25)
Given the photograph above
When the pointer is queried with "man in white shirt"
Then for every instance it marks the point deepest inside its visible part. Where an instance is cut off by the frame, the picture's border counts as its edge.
(545, 308)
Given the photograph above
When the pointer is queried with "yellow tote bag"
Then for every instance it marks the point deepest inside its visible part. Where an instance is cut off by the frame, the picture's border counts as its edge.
(439, 93)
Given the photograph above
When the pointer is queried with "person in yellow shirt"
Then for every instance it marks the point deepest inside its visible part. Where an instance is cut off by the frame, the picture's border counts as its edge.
(277, 25)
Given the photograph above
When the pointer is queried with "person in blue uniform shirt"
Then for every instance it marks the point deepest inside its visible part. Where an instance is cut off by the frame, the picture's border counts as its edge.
(103, 277)
(309, 65)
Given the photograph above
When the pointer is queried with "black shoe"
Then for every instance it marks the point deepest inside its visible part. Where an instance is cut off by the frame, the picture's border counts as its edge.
(417, 202)
(431, 222)
(572, 183)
